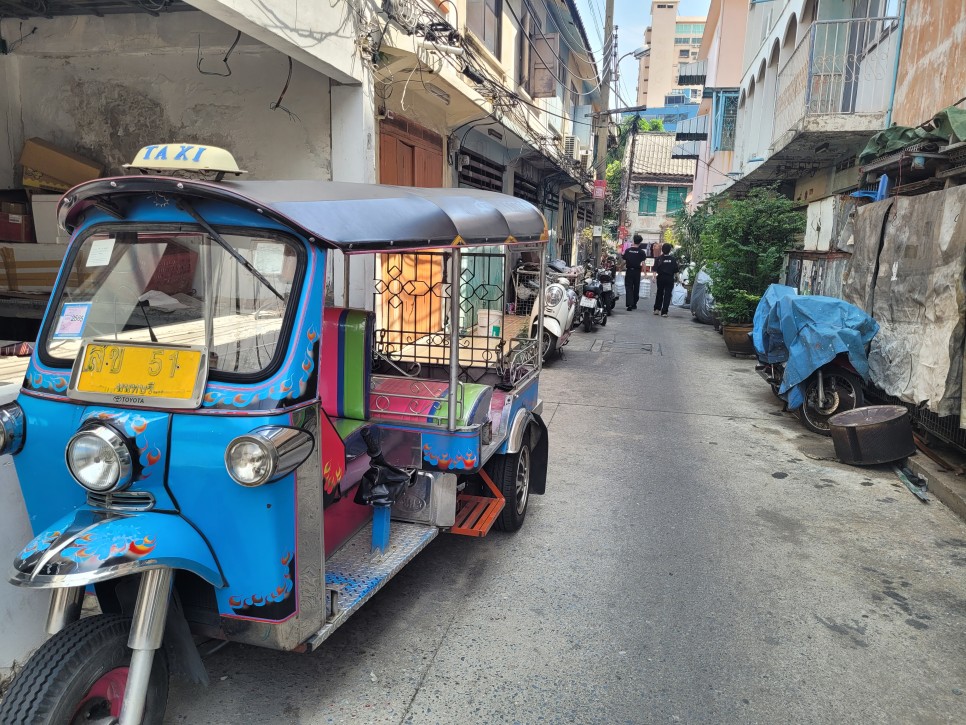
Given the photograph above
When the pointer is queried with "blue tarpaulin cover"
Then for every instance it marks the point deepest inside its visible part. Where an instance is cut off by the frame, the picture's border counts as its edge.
(806, 332)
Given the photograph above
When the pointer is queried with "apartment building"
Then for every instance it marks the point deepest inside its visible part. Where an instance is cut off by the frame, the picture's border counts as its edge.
(669, 41)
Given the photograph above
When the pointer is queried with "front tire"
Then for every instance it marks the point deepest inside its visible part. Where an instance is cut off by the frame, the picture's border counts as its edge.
(78, 676)
(511, 474)
(843, 391)
(548, 345)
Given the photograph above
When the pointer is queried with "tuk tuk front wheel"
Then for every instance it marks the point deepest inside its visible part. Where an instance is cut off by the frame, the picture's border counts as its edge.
(511, 473)
(79, 675)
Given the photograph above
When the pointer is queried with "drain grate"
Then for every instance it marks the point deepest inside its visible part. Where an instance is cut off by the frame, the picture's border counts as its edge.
(630, 347)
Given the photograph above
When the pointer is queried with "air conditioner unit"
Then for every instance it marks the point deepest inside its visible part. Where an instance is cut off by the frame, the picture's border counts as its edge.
(585, 159)
(571, 147)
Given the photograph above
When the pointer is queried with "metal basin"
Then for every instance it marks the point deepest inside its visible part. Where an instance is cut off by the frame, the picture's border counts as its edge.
(873, 434)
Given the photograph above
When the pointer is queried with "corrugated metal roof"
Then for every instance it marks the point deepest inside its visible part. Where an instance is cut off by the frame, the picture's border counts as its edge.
(653, 157)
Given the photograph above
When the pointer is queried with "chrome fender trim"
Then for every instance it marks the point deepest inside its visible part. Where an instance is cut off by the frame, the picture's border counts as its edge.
(517, 428)
(89, 546)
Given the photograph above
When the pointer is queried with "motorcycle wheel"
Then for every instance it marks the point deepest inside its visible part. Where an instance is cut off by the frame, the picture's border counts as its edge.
(843, 391)
(79, 676)
(588, 320)
(548, 345)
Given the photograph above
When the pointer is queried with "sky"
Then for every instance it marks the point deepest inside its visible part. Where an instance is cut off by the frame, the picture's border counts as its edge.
(631, 18)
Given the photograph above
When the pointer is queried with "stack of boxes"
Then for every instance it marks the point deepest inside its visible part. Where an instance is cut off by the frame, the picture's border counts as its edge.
(31, 245)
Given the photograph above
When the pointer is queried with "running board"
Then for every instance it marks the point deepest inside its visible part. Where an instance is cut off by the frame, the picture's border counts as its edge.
(475, 515)
(354, 575)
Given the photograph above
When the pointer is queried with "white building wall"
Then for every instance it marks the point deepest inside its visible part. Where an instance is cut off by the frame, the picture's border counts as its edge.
(105, 87)
(23, 612)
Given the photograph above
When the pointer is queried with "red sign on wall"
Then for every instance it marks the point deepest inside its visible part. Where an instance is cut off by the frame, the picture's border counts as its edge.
(600, 189)
(622, 233)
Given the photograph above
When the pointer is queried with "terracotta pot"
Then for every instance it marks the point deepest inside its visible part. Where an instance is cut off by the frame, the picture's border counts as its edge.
(737, 339)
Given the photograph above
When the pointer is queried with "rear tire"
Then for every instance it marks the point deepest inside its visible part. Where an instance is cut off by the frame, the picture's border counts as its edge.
(843, 391)
(588, 319)
(60, 683)
(511, 474)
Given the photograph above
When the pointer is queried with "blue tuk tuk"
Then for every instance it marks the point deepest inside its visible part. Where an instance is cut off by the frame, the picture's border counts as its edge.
(210, 448)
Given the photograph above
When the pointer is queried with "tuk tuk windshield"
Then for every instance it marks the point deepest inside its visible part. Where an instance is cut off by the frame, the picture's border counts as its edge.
(178, 287)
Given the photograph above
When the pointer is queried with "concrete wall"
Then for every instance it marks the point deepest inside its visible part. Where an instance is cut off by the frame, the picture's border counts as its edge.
(932, 67)
(105, 87)
(23, 612)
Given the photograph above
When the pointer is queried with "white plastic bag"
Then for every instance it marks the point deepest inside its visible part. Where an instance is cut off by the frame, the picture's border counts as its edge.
(619, 284)
(678, 295)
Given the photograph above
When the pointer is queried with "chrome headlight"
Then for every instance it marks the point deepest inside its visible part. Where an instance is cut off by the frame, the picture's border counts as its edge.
(554, 295)
(100, 460)
(267, 454)
(12, 428)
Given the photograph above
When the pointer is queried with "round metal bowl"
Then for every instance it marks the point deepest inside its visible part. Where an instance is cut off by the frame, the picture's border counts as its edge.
(873, 434)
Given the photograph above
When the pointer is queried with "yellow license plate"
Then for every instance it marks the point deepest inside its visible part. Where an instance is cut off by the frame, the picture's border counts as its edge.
(133, 371)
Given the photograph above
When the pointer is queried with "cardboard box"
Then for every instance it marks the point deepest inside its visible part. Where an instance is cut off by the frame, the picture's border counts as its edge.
(16, 227)
(44, 207)
(46, 166)
(14, 201)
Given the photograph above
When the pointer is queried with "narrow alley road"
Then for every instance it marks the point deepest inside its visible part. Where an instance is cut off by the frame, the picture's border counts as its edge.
(695, 559)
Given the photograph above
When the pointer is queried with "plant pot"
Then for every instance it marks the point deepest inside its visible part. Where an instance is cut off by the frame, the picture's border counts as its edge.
(737, 339)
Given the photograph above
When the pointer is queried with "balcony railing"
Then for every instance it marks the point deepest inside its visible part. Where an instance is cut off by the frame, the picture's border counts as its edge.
(842, 67)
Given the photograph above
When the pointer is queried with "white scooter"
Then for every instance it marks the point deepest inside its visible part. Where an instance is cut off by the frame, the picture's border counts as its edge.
(560, 305)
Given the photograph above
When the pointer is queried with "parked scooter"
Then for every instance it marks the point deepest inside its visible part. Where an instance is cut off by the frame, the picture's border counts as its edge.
(812, 351)
(592, 304)
(832, 389)
(608, 293)
(560, 306)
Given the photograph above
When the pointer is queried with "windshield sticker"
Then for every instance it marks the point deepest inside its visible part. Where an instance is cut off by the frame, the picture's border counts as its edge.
(269, 258)
(73, 316)
(100, 253)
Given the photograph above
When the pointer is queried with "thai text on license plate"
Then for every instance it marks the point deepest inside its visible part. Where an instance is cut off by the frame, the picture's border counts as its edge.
(607, 286)
(132, 370)
(588, 302)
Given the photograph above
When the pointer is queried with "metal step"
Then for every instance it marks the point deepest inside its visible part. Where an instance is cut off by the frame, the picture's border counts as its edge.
(354, 575)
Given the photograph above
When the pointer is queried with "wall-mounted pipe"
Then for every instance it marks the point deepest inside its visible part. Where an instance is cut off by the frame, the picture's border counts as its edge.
(895, 66)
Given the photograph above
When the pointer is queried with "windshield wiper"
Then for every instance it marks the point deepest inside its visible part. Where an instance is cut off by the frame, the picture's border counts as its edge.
(185, 206)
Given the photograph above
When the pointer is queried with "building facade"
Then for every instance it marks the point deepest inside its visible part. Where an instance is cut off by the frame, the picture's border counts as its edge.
(657, 185)
(669, 41)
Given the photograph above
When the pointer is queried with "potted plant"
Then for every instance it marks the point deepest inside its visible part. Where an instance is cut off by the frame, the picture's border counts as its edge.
(745, 241)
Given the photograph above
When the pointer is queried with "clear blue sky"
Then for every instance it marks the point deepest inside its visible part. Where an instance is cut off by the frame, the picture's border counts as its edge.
(631, 18)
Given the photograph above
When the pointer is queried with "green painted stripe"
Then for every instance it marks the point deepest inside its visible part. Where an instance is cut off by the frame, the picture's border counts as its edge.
(353, 365)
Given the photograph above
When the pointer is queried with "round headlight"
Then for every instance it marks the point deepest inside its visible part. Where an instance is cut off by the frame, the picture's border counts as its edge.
(554, 295)
(250, 461)
(100, 460)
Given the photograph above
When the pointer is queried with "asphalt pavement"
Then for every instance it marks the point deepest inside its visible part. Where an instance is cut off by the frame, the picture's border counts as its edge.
(698, 558)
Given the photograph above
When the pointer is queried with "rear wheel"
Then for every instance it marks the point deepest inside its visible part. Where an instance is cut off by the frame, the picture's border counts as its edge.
(843, 391)
(511, 474)
(79, 676)
(588, 319)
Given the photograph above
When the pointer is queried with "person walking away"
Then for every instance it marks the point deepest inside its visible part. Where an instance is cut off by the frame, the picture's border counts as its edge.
(666, 267)
(634, 257)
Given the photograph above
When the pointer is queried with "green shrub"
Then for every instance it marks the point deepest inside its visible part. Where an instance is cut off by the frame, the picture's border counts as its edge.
(745, 241)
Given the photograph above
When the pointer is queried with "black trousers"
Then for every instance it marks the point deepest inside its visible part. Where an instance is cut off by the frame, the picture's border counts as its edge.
(632, 286)
(662, 300)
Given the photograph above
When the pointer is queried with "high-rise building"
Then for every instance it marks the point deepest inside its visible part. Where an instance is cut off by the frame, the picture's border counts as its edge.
(670, 40)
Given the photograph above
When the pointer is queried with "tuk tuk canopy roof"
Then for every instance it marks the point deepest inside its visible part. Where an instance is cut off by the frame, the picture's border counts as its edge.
(349, 217)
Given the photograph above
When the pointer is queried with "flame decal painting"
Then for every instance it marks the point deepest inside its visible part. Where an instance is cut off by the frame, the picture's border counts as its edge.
(289, 386)
(276, 605)
(45, 381)
(138, 427)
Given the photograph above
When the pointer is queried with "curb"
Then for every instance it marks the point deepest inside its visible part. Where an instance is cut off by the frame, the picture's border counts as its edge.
(946, 486)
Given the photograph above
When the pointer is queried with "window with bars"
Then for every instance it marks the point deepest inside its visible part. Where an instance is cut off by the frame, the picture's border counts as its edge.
(478, 172)
(647, 202)
(725, 110)
(675, 198)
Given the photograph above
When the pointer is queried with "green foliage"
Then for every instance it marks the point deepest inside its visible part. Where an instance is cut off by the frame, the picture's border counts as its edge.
(744, 240)
(687, 227)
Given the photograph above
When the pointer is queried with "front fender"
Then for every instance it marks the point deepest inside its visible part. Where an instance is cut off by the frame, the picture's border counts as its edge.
(89, 546)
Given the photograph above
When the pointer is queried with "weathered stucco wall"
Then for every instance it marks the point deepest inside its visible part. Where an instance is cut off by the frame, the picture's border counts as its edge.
(932, 69)
(105, 87)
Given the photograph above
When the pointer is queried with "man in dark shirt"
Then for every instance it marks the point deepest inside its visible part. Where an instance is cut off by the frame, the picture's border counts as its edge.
(634, 258)
(666, 267)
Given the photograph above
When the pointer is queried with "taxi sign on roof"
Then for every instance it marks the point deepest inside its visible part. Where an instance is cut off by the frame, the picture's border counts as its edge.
(184, 157)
